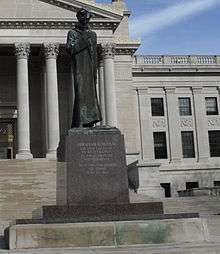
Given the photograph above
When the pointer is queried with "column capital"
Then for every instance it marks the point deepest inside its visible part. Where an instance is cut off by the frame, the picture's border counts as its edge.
(22, 50)
(170, 90)
(108, 50)
(51, 50)
(142, 91)
(197, 89)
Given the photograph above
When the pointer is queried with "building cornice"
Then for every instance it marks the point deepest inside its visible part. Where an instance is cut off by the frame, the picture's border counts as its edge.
(56, 24)
(126, 48)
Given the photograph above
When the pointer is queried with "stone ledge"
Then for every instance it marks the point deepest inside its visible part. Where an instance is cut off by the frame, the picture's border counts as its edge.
(107, 234)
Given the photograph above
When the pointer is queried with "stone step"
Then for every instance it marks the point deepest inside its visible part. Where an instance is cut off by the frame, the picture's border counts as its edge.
(201, 248)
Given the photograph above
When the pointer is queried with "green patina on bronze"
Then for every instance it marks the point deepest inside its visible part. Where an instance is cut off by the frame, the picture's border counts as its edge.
(149, 233)
(82, 48)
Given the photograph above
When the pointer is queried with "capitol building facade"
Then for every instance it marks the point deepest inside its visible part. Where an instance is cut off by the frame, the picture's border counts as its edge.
(167, 107)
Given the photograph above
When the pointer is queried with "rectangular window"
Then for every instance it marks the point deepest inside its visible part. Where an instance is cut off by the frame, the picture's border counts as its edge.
(185, 107)
(214, 143)
(211, 106)
(157, 107)
(216, 183)
(160, 145)
(191, 185)
(167, 189)
(188, 144)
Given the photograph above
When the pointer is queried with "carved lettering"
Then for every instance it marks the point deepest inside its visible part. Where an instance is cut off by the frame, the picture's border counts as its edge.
(96, 157)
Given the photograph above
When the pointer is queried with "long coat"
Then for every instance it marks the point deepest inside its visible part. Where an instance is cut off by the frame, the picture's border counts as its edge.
(82, 47)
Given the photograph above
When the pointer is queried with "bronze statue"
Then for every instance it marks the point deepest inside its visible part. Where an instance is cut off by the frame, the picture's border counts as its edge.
(82, 48)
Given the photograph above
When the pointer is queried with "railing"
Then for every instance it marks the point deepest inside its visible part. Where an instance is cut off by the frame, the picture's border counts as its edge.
(206, 191)
(176, 60)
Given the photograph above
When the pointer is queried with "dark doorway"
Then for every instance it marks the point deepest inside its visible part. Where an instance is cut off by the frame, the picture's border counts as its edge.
(7, 139)
(167, 189)
(191, 185)
(216, 183)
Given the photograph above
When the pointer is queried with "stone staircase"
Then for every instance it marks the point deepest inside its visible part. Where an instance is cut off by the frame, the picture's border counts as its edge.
(25, 186)
(204, 205)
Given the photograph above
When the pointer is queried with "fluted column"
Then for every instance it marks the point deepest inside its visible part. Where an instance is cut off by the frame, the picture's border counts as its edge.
(109, 78)
(51, 51)
(22, 51)
(102, 89)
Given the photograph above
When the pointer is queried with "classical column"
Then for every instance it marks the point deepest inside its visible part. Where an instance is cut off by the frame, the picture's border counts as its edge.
(102, 89)
(22, 51)
(51, 51)
(109, 78)
(173, 128)
(200, 124)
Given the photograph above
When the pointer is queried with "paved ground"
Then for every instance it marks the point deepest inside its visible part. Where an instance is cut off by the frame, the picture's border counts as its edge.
(210, 248)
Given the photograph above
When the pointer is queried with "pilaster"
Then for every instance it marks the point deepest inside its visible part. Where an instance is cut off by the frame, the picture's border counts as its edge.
(173, 128)
(146, 131)
(201, 124)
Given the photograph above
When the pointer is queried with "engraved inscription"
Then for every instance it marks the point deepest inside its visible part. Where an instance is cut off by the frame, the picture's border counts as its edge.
(96, 158)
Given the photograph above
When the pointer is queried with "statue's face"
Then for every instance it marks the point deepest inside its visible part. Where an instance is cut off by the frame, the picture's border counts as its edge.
(83, 17)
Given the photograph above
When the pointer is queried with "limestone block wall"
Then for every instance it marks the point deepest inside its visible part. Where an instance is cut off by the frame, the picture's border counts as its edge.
(25, 186)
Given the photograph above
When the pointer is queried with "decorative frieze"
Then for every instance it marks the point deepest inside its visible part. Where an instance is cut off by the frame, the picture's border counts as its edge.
(51, 50)
(125, 51)
(22, 50)
(159, 123)
(214, 122)
(45, 24)
(186, 123)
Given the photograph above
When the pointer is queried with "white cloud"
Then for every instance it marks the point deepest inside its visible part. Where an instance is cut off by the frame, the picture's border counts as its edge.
(143, 25)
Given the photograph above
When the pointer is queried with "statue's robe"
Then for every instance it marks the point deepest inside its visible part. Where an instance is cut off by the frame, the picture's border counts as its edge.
(82, 47)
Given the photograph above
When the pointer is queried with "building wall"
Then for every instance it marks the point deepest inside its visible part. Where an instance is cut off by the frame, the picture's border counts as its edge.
(171, 82)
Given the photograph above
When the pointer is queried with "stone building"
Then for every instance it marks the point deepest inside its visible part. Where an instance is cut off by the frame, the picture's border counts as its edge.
(166, 106)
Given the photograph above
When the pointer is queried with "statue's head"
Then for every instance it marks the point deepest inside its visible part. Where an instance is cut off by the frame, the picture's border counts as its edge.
(83, 16)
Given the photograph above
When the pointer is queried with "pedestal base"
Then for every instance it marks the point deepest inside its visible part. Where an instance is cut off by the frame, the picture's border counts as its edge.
(108, 233)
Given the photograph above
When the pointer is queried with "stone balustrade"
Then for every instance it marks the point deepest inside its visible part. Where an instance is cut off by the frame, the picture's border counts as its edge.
(177, 60)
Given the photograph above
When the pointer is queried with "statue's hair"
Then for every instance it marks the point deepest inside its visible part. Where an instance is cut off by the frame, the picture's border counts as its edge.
(83, 10)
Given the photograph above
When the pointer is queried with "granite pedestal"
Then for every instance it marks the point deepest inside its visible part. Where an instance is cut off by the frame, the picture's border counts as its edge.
(97, 180)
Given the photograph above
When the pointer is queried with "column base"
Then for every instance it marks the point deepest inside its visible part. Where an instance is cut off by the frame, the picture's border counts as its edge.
(203, 159)
(52, 155)
(24, 156)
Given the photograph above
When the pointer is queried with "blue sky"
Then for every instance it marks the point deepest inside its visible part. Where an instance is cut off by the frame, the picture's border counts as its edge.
(175, 26)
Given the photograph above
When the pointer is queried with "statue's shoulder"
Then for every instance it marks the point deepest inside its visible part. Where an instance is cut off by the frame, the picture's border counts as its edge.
(92, 33)
(73, 31)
